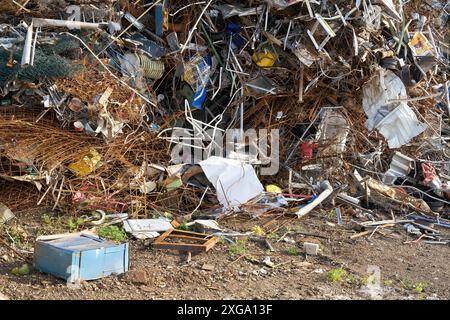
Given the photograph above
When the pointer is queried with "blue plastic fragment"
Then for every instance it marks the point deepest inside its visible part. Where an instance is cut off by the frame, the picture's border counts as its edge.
(199, 98)
(234, 29)
(200, 93)
(313, 197)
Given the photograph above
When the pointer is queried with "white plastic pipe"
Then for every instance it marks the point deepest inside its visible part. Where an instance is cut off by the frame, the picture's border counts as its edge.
(327, 190)
(38, 22)
(26, 56)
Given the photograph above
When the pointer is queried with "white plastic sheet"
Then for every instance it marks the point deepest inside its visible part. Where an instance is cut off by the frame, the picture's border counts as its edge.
(146, 228)
(235, 182)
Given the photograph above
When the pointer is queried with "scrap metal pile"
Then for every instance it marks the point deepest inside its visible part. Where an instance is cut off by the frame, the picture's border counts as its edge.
(215, 108)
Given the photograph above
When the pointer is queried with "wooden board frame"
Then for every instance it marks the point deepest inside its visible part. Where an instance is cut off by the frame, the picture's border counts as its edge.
(205, 241)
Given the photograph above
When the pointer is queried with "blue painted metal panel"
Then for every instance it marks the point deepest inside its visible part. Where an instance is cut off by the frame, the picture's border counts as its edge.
(159, 19)
(80, 256)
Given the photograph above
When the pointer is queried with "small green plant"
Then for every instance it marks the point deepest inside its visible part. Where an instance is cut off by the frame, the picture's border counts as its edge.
(331, 214)
(406, 284)
(53, 225)
(47, 219)
(40, 232)
(419, 287)
(19, 238)
(336, 275)
(22, 271)
(272, 236)
(59, 222)
(238, 248)
(387, 283)
(75, 224)
(292, 251)
(15, 237)
(222, 240)
(368, 280)
(113, 233)
(183, 226)
(353, 280)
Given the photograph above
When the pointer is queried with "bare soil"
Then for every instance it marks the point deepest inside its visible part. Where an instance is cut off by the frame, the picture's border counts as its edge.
(407, 271)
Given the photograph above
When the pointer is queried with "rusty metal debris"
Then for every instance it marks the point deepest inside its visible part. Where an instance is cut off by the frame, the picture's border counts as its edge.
(119, 106)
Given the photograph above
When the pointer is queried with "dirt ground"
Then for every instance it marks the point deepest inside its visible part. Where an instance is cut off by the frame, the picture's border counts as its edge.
(407, 271)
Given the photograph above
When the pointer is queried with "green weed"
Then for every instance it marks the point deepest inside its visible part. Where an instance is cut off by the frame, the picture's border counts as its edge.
(419, 287)
(75, 224)
(238, 248)
(336, 275)
(292, 251)
(113, 233)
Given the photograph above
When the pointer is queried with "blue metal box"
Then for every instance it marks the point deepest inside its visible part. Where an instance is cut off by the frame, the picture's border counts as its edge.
(80, 256)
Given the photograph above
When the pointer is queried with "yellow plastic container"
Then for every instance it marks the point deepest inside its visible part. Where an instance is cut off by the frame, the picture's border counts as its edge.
(264, 60)
(273, 188)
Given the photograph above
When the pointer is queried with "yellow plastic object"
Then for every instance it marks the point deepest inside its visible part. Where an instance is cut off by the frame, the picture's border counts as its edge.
(273, 188)
(420, 45)
(87, 164)
(264, 60)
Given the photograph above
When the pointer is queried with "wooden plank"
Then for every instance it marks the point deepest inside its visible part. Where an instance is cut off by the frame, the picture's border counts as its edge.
(211, 242)
(370, 231)
(180, 244)
(189, 233)
(164, 235)
(379, 223)
(187, 237)
(204, 245)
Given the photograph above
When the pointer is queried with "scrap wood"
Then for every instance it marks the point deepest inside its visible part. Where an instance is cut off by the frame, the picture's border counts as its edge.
(379, 223)
(238, 258)
(364, 233)
(198, 242)
(22, 6)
